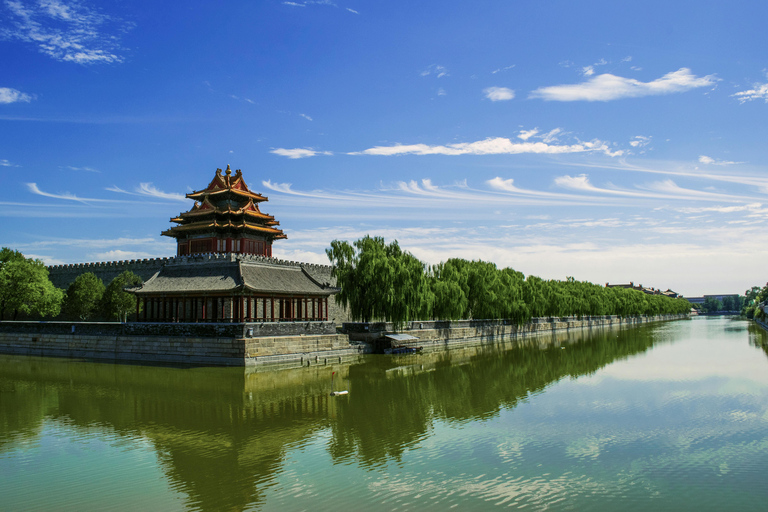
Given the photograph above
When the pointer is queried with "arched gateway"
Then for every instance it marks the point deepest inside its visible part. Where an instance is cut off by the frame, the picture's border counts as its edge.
(223, 271)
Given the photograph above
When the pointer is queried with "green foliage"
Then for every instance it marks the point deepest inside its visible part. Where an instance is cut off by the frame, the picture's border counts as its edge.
(752, 299)
(116, 302)
(381, 282)
(712, 305)
(83, 296)
(25, 287)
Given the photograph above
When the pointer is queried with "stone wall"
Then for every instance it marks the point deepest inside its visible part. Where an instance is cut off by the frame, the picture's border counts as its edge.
(193, 344)
(466, 332)
(62, 275)
(229, 345)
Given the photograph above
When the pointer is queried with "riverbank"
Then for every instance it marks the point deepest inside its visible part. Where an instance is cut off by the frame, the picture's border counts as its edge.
(273, 344)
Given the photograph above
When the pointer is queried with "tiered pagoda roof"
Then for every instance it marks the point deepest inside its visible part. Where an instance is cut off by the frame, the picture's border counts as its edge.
(226, 210)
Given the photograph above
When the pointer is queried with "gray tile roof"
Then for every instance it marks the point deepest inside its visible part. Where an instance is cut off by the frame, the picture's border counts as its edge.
(231, 276)
(280, 279)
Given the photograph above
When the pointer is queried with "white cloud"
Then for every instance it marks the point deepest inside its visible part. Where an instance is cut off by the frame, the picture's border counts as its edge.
(149, 190)
(441, 92)
(502, 69)
(6, 163)
(607, 87)
(759, 92)
(499, 93)
(491, 146)
(352, 11)
(706, 160)
(65, 30)
(8, 95)
(639, 141)
(299, 152)
(66, 195)
(527, 134)
(435, 69)
(86, 169)
(588, 70)
(120, 255)
(305, 116)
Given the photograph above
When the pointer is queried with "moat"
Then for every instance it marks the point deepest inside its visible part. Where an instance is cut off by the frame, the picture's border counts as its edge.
(668, 416)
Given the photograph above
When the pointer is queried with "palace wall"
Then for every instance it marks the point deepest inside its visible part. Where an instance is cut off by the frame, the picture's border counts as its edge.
(62, 275)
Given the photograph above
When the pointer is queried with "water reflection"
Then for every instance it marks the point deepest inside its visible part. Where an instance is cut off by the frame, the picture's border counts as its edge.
(223, 437)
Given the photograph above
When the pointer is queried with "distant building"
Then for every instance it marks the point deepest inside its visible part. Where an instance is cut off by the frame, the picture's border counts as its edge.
(641, 288)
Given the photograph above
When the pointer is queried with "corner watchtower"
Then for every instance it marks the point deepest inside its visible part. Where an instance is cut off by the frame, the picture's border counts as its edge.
(225, 218)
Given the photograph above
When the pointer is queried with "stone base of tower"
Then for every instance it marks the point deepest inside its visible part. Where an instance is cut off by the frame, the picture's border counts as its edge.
(193, 344)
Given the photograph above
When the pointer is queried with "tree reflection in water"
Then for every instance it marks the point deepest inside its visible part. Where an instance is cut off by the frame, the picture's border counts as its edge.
(222, 434)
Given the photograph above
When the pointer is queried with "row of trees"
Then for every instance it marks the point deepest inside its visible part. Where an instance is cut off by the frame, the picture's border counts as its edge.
(380, 281)
(26, 289)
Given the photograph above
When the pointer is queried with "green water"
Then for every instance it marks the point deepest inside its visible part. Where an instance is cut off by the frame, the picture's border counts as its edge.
(671, 416)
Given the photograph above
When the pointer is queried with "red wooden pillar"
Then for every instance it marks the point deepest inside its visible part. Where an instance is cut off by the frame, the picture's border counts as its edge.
(205, 302)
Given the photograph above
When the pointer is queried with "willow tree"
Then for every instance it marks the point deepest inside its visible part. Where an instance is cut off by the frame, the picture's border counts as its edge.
(380, 281)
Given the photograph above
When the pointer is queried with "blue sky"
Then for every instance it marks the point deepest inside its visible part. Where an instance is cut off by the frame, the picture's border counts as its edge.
(608, 141)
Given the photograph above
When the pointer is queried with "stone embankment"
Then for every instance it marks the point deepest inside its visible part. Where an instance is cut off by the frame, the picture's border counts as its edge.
(277, 343)
(446, 334)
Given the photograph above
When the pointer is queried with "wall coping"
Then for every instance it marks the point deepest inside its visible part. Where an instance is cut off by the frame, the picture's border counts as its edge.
(187, 259)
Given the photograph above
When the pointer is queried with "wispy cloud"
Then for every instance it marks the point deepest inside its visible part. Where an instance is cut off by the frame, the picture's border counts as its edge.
(149, 190)
(296, 153)
(673, 168)
(65, 195)
(505, 68)
(8, 95)
(65, 30)
(665, 189)
(86, 169)
(499, 93)
(436, 70)
(305, 116)
(640, 141)
(6, 163)
(608, 87)
(492, 146)
(287, 188)
(758, 92)
(305, 3)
